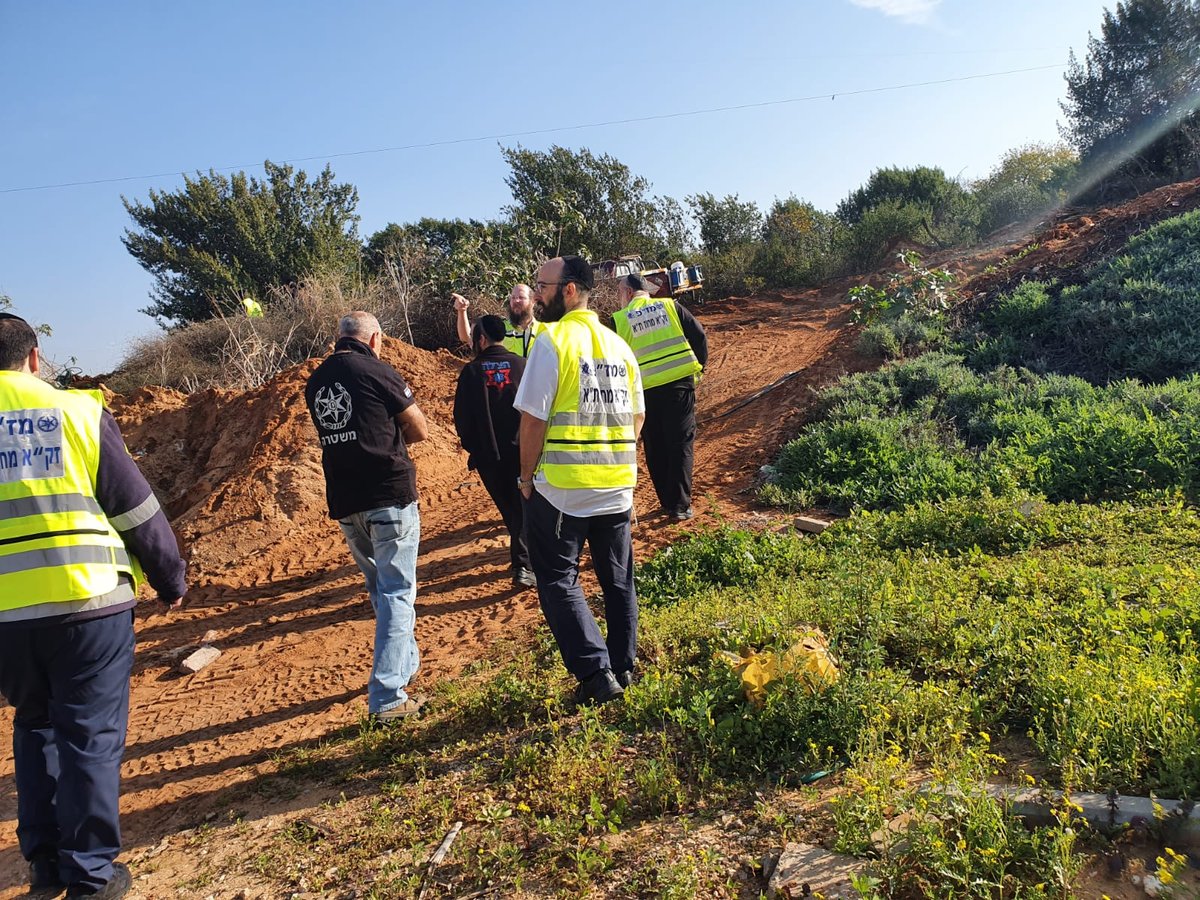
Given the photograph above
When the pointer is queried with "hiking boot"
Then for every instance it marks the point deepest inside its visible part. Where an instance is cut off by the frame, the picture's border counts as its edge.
(118, 886)
(44, 880)
(523, 578)
(682, 515)
(599, 688)
(624, 679)
(410, 707)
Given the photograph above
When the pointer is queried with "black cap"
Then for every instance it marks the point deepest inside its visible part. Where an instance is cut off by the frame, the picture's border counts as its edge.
(493, 328)
(638, 282)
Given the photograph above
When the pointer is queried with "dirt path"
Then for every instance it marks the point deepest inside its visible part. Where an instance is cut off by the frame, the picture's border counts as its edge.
(290, 614)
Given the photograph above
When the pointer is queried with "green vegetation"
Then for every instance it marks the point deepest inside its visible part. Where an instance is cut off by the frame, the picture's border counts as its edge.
(972, 423)
(1131, 103)
(1135, 316)
(221, 239)
(965, 631)
(932, 429)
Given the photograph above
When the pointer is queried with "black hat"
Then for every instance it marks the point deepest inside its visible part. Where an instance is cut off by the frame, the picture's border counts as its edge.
(492, 327)
(638, 282)
(579, 270)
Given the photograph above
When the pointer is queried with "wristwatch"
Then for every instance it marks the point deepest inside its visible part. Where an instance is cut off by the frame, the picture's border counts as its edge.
(522, 483)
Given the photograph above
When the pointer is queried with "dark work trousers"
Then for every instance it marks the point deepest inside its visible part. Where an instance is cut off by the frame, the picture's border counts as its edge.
(499, 476)
(555, 545)
(668, 436)
(69, 686)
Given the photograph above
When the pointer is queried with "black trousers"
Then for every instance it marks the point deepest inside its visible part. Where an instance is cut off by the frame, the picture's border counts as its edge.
(555, 545)
(69, 685)
(499, 477)
(668, 436)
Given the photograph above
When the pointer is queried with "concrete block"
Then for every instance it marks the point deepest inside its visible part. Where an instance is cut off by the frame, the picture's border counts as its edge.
(810, 525)
(805, 870)
(198, 660)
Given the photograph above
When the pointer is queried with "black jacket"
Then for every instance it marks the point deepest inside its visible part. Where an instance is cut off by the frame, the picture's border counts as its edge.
(484, 416)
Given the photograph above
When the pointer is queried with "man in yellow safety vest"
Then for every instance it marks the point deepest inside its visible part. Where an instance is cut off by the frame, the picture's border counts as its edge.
(672, 350)
(78, 526)
(521, 327)
(581, 410)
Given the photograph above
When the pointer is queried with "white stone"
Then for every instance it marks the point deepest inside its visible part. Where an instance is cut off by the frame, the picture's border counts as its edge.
(825, 874)
(198, 660)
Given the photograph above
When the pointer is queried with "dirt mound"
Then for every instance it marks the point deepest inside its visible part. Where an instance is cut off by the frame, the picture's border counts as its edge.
(240, 473)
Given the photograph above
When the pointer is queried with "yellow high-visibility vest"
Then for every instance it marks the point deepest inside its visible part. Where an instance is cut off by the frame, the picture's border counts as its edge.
(590, 438)
(56, 544)
(519, 340)
(652, 328)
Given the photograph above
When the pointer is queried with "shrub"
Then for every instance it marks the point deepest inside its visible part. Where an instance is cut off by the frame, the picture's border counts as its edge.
(932, 429)
(1133, 318)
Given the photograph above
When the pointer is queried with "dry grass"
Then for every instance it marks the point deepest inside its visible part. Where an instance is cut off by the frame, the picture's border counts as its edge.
(240, 353)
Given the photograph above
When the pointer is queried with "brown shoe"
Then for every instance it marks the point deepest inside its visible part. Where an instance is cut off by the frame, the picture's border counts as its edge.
(410, 707)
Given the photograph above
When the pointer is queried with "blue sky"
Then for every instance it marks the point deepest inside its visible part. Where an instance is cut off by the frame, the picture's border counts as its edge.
(112, 90)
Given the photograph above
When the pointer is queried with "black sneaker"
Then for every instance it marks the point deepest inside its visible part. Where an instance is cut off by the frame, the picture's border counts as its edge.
(599, 688)
(682, 515)
(118, 886)
(43, 876)
(523, 578)
(624, 679)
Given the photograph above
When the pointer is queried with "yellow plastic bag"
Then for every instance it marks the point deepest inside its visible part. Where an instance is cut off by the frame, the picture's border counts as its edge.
(808, 660)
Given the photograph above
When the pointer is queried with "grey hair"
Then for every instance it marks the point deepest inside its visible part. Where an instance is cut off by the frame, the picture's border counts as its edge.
(358, 325)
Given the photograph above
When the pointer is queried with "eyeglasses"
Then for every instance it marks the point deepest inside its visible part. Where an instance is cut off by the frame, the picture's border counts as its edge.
(538, 285)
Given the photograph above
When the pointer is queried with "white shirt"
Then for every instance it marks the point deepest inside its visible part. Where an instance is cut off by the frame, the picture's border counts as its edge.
(539, 387)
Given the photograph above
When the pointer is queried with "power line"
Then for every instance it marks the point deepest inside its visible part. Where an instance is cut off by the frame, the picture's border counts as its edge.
(658, 117)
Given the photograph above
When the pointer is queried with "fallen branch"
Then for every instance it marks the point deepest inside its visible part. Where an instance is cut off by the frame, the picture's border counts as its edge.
(438, 855)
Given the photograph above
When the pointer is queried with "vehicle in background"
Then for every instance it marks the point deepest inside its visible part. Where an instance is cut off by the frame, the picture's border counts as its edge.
(677, 280)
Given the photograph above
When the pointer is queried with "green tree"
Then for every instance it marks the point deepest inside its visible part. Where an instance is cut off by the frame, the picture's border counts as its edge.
(457, 255)
(943, 211)
(923, 186)
(590, 204)
(1132, 102)
(220, 238)
(725, 223)
(1026, 181)
(797, 238)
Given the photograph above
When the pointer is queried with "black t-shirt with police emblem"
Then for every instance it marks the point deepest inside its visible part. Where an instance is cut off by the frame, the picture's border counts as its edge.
(353, 398)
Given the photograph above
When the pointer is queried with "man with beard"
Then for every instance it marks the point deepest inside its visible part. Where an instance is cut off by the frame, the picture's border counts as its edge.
(581, 410)
(671, 349)
(487, 426)
(520, 329)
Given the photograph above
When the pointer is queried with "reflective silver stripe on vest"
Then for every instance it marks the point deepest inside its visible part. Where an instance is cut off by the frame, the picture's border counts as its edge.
(61, 556)
(122, 594)
(679, 341)
(592, 419)
(648, 371)
(44, 506)
(141, 513)
(589, 458)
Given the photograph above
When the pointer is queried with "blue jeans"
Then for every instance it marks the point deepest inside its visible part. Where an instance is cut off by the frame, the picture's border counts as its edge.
(384, 544)
(69, 685)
